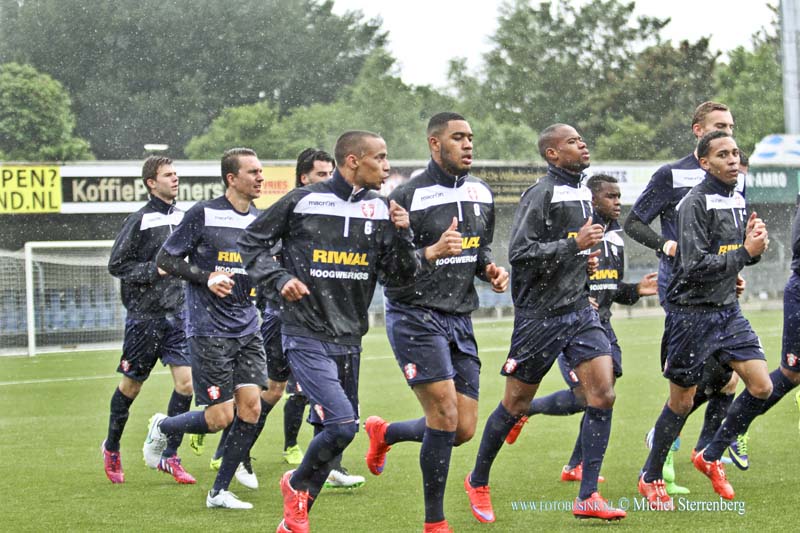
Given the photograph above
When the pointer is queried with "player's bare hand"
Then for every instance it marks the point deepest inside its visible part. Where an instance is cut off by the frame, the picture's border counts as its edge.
(589, 235)
(757, 240)
(594, 303)
(670, 248)
(448, 245)
(293, 290)
(753, 221)
(593, 262)
(398, 215)
(648, 286)
(498, 277)
(741, 285)
(220, 283)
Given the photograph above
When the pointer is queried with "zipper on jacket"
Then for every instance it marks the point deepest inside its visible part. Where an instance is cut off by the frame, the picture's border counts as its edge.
(347, 215)
(458, 201)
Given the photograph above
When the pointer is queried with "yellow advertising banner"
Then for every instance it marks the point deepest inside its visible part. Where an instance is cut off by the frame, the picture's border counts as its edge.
(30, 189)
(277, 182)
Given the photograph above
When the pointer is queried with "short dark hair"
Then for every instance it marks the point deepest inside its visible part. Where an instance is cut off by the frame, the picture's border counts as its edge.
(151, 166)
(744, 161)
(439, 121)
(305, 163)
(547, 137)
(595, 183)
(705, 108)
(351, 142)
(704, 145)
(230, 161)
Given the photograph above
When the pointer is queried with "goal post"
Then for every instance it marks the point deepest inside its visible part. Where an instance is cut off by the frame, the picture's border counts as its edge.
(71, 301)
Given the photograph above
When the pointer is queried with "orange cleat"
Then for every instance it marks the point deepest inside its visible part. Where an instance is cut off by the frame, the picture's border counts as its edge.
(596, 507)
(480, 501)
(295, 507)
(716, 473)
(656, 494)
(376, 454)
(437, 527)
(511, 438)
(576, 474)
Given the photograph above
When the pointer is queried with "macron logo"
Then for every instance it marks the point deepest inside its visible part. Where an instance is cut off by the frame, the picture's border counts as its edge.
(319, 203)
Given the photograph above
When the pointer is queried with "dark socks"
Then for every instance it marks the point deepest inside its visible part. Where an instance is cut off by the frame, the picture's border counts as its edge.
(237, 448)
(188, 422)
(434, 460)
(408, 430)
(595, 431)
(718, 405)
(178, 404)
(262, 418)
(222, 438)
(497, 427)
(120, 407)
(577, 451)
(560, 403)
(668, 426)
(744, 409)
(311, 474)
(293, 411)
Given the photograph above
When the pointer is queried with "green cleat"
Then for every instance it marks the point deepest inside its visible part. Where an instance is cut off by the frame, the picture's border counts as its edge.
(196, 442)
(293, 455)
(738, 451)
(215, 463)
(668, 473)
(797, 400)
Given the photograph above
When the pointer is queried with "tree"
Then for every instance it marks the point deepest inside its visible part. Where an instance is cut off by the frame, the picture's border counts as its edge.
(750, 83)
(649, 111)
(155, 71)
(36, 122)
(554, 62)
(377, 101)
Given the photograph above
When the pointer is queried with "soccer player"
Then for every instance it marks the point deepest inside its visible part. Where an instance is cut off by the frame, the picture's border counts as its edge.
(154, 321)
(664, 191)
(551, 237)
(428, 320)
(783, 379)
(605, 287)
(338, 237)
(228, 361)
(716, 240)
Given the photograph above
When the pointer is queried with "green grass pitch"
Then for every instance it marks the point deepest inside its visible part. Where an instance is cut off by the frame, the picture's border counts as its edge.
(55, 410)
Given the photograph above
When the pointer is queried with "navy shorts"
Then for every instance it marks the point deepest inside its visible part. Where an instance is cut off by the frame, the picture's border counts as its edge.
(328, 375)
(147, 341)
(433, 346)
(568, 373)
(692, 338)
(220, 365)
(537, 342)
(790, 351)
(277, 364)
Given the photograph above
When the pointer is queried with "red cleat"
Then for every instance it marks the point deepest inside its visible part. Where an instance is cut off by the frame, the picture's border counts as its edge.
(295, 507)
(511, 438)
(576, 474)
(437, 527)
(716, 473)
(172, 465)
(112, 464)
(656, 494)
(376, 454)
(596, 507)
(480, 501)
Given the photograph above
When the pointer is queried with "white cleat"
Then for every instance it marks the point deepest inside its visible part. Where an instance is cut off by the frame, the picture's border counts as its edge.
(155, 442)
(342, 479)
(226, 500)
(245, 475)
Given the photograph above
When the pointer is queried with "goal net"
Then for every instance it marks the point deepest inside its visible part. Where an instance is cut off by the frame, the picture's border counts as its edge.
(59, 295)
